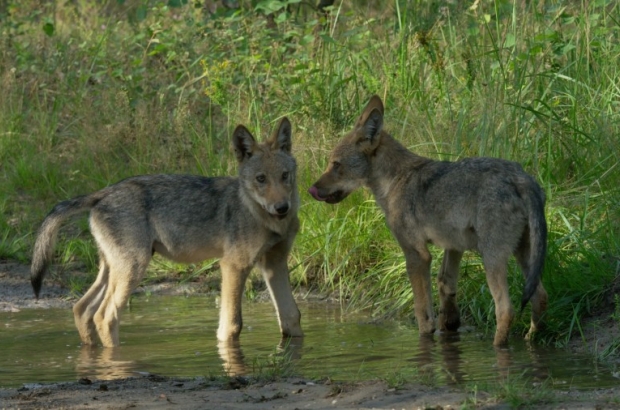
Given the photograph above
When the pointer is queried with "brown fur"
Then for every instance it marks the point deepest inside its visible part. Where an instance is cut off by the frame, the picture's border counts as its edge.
(484, 204)
(246, 221)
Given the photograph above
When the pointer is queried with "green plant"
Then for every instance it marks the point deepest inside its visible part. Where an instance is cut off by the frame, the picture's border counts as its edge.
(616, 313)
(515, 392)
(277, 365)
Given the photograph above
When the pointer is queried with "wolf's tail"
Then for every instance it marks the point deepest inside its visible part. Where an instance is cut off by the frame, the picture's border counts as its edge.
(46, 237)
(538, 239)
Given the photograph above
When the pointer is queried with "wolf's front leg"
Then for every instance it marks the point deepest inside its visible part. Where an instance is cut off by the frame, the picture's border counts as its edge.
(275, 272)
(233, 282)
(449, 315)
(419, 271)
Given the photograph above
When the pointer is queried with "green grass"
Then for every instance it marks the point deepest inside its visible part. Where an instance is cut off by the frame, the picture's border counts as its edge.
(95, 92)
(515, 392)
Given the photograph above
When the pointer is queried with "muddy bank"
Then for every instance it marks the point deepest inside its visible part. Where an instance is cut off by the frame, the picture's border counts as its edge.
(16, 292)
(155, 392)
(237, 393)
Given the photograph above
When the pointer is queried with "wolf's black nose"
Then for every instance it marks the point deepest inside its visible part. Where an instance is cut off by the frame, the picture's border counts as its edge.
(282, 208)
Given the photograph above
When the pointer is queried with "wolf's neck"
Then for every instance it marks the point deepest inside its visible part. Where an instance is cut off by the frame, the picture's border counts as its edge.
(392, 165)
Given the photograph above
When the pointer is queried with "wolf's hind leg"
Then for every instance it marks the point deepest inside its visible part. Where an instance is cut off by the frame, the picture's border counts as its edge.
(496, 272)
(125, 275)
(276, 274)
(539, 299)
(447, 278)
(84, 310)
(233, 283)
(539, 305)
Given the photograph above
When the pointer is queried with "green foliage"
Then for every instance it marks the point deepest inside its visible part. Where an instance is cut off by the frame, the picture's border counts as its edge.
(276, 365)
(616, 314)
(93, 92)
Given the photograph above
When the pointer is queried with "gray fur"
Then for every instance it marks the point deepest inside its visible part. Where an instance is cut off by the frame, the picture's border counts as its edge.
(485, 204)
(247, 220)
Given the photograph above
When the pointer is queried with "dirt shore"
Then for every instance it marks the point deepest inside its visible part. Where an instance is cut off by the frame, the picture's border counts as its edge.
(157, 391)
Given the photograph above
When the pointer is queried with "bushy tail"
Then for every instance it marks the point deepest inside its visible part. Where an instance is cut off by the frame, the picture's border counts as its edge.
(538, 239)
(46, 238)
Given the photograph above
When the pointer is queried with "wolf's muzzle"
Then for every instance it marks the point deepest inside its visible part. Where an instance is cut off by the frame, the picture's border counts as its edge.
(281, 209)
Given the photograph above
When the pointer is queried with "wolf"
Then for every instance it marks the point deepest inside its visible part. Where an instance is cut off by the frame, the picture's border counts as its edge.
(247, 220)
(488, 205)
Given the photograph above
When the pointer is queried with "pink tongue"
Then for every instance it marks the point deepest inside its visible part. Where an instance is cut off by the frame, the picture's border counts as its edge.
(315, 193)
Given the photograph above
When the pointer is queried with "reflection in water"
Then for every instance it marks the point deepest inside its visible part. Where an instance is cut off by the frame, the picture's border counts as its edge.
(164, 335)
(432, 359)
(233, 359)
(537, 368)
(291, 347)
(104, 363)
(451, 353)
(423, 358)
(503, 363)
(446, 356)
(533, 369)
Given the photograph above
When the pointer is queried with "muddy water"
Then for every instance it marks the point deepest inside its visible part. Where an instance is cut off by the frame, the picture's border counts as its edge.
(175, 336)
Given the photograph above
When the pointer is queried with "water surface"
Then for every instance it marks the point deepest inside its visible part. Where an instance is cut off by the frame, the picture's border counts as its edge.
(175, 336)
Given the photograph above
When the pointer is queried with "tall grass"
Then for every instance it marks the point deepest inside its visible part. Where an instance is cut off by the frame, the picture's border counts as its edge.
(94, 92)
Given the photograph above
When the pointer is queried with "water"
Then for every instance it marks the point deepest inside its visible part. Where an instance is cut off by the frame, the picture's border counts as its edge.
(175, 336)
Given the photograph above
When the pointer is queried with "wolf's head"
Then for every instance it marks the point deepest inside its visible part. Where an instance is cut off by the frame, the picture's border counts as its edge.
(349, 162)
(268, 170)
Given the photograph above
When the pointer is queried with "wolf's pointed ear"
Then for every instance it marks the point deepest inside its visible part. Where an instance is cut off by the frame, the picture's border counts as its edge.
(370, 131)
(374, 103)
(281, 138)
(243, 142)
(373, 124)
(370, 124)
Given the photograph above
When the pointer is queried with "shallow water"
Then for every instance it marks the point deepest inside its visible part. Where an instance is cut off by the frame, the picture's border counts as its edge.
(175, 336)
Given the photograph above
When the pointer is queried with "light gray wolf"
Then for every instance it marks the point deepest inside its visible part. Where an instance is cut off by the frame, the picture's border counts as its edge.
(484, 204)
(246, 220)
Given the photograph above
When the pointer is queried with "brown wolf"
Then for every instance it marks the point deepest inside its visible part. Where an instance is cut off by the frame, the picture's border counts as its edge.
(246, 220)
(484, 204)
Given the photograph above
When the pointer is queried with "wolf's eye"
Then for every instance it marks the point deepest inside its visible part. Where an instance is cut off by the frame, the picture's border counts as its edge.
(336, 165)
(261, 179)
(284, 176)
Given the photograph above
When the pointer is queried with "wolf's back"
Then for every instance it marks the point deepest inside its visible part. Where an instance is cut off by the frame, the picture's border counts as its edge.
(46, 237)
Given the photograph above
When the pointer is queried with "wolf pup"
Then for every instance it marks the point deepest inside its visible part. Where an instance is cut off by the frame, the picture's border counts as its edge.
(246, 220)
(484, 204)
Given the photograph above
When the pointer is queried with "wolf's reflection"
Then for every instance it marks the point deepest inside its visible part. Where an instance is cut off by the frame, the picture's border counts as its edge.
(233, 359)
(534, 370)
(107, 363)
(447, 347)
(450, 352)
(104, 364)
